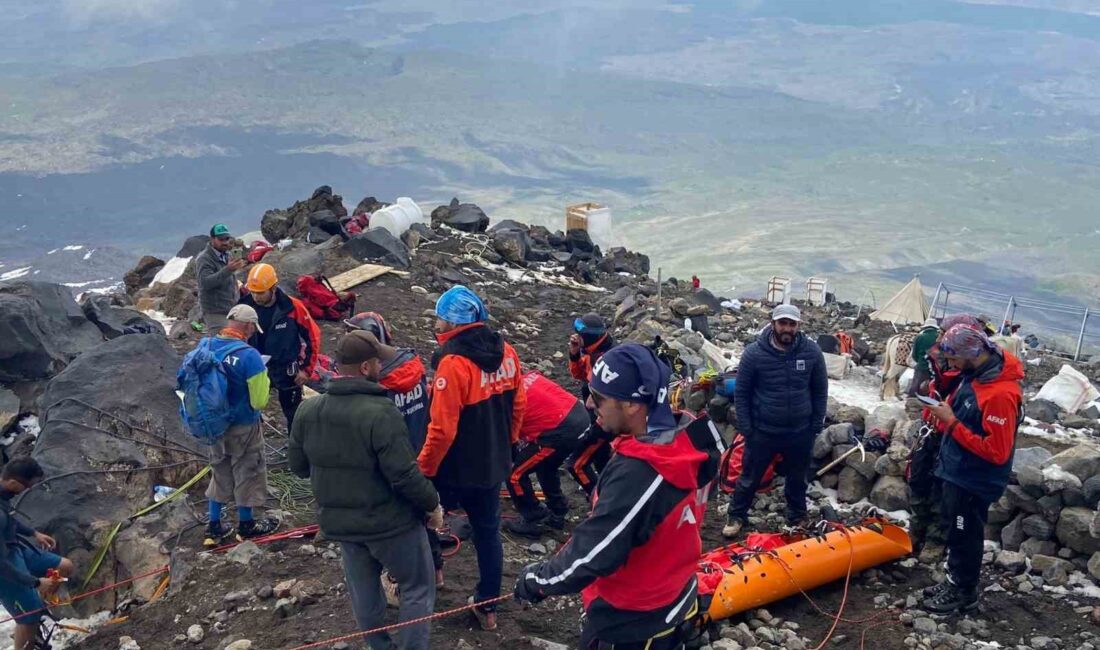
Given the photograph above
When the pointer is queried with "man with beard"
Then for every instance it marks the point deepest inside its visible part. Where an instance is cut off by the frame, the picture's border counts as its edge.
(782, 389)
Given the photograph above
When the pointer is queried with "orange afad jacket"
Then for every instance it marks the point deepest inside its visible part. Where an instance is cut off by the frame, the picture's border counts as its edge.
(478, 403)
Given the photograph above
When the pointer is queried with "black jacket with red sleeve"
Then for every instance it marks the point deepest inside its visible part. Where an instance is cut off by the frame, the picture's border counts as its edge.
(634, 558)
(477, 407)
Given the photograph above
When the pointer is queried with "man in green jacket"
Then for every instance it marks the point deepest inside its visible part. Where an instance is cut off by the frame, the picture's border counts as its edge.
(371, 497)
(926, 338)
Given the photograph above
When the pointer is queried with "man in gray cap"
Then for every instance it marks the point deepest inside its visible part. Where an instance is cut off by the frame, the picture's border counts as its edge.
(214, 270)
(782, 389)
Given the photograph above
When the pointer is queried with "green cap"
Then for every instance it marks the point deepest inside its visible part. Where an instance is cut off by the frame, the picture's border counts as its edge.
(219, 230)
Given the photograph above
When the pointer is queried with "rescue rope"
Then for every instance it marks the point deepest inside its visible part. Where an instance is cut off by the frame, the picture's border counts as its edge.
(88, 594)
(395, 626)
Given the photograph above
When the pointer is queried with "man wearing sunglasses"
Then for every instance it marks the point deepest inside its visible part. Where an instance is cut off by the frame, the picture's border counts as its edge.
(589, 341)
(26, 568)
(218, 288)
(634, 558)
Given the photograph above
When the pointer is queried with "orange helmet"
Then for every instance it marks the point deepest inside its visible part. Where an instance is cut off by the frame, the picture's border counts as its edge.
(261, 278)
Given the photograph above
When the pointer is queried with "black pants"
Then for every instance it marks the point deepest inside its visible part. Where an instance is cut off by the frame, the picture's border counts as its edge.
(667, 641)
(289, 399)
(591, 455)
(963, 518)
(436, 548)
(920, 375)
(925, 491)
(796, 451)
(544, 463)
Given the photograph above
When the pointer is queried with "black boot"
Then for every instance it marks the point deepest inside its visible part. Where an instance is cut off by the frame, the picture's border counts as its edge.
(951, 599)
(217, 534)
(526, 527)
(256, 528)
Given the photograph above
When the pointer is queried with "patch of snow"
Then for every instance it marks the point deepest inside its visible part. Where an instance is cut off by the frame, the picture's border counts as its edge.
(15, 273)
(30, 425)
(88, 255)
(164, 319)
(62, 638)
(78, 285)
(73, 247)
(171, 271)
(860, 388)
(53, 251)
(1079, 584)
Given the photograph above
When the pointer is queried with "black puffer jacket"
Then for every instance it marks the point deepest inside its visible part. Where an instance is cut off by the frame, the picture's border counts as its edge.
(781, 393)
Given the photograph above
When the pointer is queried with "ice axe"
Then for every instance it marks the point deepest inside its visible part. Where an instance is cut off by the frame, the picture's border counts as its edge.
(858, 447)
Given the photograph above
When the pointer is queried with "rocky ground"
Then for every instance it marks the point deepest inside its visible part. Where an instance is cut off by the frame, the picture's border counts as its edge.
(1039, 595)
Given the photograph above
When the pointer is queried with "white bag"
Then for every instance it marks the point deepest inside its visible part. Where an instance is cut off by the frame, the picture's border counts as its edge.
(1068, 389)
(836, 365)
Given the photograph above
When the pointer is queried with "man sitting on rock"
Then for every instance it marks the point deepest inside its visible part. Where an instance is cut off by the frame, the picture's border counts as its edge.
(634, 558)
(780, 398)
(214, 270)
(238, 468)
(27, 570)
(975, 460)
(552, 424)
(478, 402)
(589, 341)
(371, 497)
(288, 334)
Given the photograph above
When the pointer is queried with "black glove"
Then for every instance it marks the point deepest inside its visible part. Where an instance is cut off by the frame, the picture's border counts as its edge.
(875, 442)
(526, 590)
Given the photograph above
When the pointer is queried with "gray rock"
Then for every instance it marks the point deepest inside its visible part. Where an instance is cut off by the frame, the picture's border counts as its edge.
(1073, 530)
(467, 217)
(244, 553)
(888, 465)
(1032, 546)
(1094, 565)
(1001, 511)
(1030, 480)
(42, 330)
(866, 466)
(925, 625)
(851, 415)
(890, 493)
(1010, 561)
(537, 548)
(1056, 479)
(240, 644)
(512, 245)
(1083, 461)
(1049, 507)
(823, 447)
(9, 409)
(1021, 500)
(378, 245)
(839, 434)
(1043, 410)
(195, 634)
(286, 607)
(852, 486)
(1038, 527)
(1092, 411)
(114, 321)
(1074, 421)
(1091, 489)
(1029, 457)
(293, 262)
(1012, 535)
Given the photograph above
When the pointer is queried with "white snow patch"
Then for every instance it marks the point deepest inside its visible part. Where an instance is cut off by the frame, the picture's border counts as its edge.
(860, 388)
(62, 638)
(30, 425)
(171, 271)
(88, 255)
(164, 319)
(53, 251)
(1079, 584)
(79, 285)
(15, 273)
(73, 247)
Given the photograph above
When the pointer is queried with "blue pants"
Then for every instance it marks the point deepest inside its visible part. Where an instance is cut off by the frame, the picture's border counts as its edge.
(19, 598)
(482, 506)
(796, 451)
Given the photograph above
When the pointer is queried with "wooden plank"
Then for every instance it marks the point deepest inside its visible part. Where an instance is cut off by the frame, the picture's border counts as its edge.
(361, 274)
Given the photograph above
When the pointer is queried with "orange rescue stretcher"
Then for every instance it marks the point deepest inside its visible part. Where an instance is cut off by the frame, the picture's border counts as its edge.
(767, 568)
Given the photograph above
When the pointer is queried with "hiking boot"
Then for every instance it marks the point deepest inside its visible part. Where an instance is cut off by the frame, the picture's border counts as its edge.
(936, 589)
(391, 589)
(217, 534)
(486, 619)
(525, 527)
(556, 521)
(734, 526)
(798, 521)
(256, 528)
(952, 598)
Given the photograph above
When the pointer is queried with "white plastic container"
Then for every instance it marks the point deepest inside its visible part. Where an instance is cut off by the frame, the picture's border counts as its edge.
(399, 217)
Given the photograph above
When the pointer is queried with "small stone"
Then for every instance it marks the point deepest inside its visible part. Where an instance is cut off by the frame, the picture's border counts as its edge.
(1026, 588)
(241, 644)
(418, 290)
(221, 616)
(265, 592)
(307, 549)
(244, 553)
(1010, 561)
(127, 643)
(195, 634)
(282, 589)
(924, 625)
(286, 607)
(463, 644)
(538, 548)
(236, 596)
(342, 645)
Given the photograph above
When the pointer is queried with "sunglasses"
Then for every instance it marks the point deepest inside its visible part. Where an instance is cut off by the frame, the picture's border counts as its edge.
(597, 399)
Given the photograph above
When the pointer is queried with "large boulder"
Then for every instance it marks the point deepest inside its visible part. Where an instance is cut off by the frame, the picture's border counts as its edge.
(1075, 530)
(890, 493)
(620, 260)
(1083, 461)
(41, 330)
(378, 245)
(193, 245)
(114, 321)
(852, 486)
(142, 274)
(325, 220)
(1042, 410)
(294, 222)
(293, 262)
(578, 240)
(467, 217)
(9, 409)
(512, 244)
(107, 459)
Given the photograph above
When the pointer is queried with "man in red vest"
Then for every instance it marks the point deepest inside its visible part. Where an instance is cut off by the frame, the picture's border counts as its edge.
(634, 559)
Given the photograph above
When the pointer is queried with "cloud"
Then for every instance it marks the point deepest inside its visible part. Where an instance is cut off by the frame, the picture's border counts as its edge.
(92, 11)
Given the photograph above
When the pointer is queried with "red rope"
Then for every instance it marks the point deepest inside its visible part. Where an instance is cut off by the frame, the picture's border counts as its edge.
(88, 594)
(395, 626)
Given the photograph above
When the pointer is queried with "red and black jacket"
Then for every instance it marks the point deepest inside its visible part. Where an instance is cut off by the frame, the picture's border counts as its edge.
(405, 380)
(977, 447)
(634, 558)
(580, 365)
(291, 338)
(477, 407)
(554, 418)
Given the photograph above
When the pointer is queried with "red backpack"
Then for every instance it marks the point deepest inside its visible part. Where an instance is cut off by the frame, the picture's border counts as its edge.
(729, 467)
(322, 301)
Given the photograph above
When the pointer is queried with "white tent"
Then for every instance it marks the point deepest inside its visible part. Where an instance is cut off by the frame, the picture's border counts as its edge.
(907, 306)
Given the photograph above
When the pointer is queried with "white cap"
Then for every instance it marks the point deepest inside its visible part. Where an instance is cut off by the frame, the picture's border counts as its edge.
(790, 312)
(245, 314)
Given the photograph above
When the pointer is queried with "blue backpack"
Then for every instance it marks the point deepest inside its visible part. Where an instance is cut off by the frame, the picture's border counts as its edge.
(206, 409)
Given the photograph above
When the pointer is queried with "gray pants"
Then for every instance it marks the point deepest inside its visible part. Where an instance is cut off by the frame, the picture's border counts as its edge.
(409, 561)
(214, 323)
(238, 468)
